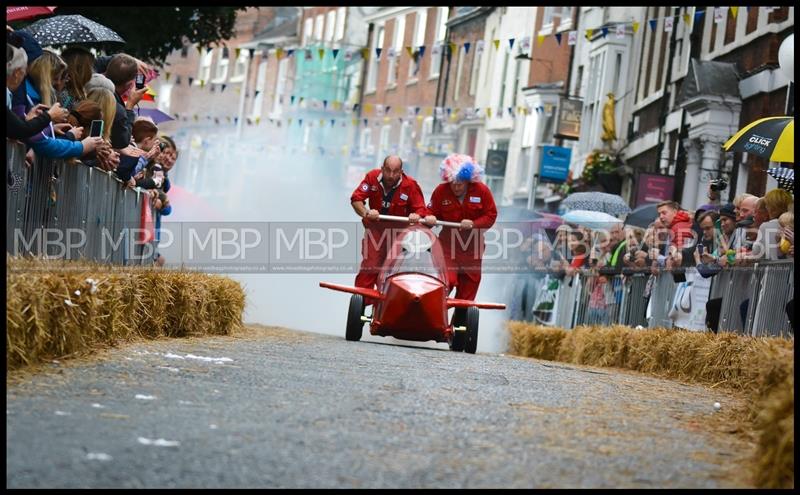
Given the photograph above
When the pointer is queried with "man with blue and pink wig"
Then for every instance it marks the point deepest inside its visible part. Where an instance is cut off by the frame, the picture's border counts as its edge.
(463, 197)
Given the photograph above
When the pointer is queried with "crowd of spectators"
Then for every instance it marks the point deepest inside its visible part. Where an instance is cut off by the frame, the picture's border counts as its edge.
(709, 240)
(52, 100)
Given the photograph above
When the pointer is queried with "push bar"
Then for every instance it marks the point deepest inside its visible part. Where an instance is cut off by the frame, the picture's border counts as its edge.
(395, 218)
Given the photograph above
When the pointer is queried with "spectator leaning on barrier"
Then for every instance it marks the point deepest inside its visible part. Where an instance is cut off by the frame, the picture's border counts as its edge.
(761, 215)
(745, 208)
(133, 162)
(677, 221)
(23, 128)
(765, 246)
(786, 242)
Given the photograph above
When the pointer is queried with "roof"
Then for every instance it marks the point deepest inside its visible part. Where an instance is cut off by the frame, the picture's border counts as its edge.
(710, 78)
(284, 25)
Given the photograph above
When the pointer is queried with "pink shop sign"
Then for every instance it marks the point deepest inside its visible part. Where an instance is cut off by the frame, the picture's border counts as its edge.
(654, 188)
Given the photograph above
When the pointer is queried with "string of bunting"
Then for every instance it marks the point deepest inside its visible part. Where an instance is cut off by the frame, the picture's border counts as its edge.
(416, 53)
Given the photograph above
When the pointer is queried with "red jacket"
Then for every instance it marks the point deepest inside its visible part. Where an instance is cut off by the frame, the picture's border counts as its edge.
(680, 229)
(407, 197)
(478, 206)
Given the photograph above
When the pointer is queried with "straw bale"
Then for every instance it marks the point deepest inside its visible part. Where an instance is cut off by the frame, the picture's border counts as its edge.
(761, 368)
(58, 308)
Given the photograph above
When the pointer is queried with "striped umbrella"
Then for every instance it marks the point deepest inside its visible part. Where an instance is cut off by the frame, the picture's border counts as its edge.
(784, 176)
(771, 138)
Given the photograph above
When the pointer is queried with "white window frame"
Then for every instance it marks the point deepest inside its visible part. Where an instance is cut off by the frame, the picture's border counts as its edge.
(318, 23)
(261, 83)
(397, 44)
(476, 65)
(280, 85)
(341, 16)
(366, 141)
(222, 67)
(164, 96)
(405, 135)
(420, 26)
(383, 146)
(330, 25)
(240, 68)
(204, 70)
(308, 30)
(438, 38)
(459, 69)
(374, 63)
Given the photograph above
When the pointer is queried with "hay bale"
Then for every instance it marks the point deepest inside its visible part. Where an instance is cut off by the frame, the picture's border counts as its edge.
(58, 308)
(761, 368)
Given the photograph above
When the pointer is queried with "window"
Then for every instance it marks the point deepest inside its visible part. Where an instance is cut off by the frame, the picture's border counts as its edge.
(330, 25)
(405, 137)
(420, 22)
(397, 44)
(503, 83)
(340, 17)
(164, 93)
(383, 146)
(318, 27)
(241, 66)
(438, 40)
(205, 67)
(308, 27)
(459, 67)
(476, 65)
(517, 66)
(222, 67)
(490, 61)
(550, 14)
(261, 82)
(372, 75)
(366, 142)
(427, 128)
(277, 106)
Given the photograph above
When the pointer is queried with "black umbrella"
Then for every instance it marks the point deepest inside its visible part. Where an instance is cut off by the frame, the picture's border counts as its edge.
(71, 29)
(642, 216)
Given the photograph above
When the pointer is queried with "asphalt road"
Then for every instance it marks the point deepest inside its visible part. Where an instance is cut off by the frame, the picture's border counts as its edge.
(282, 409)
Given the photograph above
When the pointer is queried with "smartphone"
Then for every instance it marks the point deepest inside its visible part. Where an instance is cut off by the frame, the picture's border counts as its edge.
(96, 130)
(139, 80)
(700, 249)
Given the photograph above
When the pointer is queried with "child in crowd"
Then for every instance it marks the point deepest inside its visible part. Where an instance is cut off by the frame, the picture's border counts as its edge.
(786, 233)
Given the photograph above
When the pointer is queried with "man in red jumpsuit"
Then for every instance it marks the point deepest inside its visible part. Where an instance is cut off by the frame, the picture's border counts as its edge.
(389, 192)
(462, 197)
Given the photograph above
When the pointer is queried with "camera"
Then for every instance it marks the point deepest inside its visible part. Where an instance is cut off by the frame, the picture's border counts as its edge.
(718, 185)
(139, 80)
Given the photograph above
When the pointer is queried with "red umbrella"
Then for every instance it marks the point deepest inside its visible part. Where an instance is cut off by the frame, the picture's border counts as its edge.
(22, 13)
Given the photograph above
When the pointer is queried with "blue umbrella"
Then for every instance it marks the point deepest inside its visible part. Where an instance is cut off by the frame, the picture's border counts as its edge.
(642, 216)
(154, 113)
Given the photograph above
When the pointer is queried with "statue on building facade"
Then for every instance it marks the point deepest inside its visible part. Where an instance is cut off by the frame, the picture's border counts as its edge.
(609, 126)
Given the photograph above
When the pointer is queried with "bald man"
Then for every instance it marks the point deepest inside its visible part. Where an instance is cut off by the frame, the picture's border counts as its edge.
(389, 191)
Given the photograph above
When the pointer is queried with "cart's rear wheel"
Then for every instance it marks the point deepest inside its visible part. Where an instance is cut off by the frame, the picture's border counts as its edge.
(471, 343)
(354, 323)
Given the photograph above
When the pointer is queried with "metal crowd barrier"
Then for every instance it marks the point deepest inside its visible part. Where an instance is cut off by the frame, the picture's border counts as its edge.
(59, 199)
(766, 288)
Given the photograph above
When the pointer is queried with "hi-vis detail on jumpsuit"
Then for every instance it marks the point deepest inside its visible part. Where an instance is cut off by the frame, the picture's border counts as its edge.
(402, 200)
(463, 249)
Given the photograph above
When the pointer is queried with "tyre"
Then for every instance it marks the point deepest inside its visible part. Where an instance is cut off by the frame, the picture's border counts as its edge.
(471, 341)
(354, 323)
(459, 337)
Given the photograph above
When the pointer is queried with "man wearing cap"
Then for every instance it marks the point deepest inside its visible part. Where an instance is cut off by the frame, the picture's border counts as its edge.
(463, 198)
(389, 192)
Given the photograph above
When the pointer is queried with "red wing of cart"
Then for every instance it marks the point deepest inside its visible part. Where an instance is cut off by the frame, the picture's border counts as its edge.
(412, 300)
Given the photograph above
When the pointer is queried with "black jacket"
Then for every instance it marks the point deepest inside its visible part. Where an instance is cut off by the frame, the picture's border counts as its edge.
(122, 127)
(17, 128)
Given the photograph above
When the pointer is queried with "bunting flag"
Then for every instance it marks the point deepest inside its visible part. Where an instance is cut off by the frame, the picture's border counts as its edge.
(466, 47)
(511, 44)
(572, 38)
(479, 46)
(668, 21)
(251, 52)
(300, 121)
(321, 52)
(605, 31)
(191, 80)
(365, 53)
(291, 99)
(496, 44)
(410, 51)
(348, 55)
(589, 33)
(687, 19)
(388, 107)
(421, 51)
(719, 14)
(279, 52)
(452, 48)
(168, 74)
(222, 88)
(620, 31)
(199, 50)
(258, 120)
(335, 53)
(325, 104)
(238, 51)
(635, 26)
(378, 53)
(734, 11)
(540, 39)
(653, 23)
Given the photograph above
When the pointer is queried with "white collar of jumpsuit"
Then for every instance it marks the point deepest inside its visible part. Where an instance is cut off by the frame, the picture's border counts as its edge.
(380, 181)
